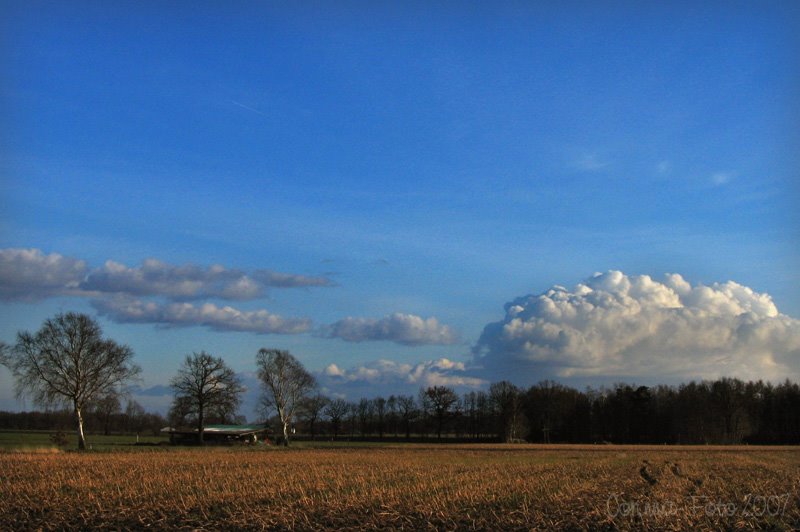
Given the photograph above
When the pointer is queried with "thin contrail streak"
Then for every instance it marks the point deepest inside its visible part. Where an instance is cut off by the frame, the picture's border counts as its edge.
(243, 106)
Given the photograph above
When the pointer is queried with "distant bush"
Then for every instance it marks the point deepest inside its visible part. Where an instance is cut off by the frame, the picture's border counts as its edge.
(59, 439)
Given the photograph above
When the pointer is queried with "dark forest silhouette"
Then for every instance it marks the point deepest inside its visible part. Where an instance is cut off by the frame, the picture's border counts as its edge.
(723, 411)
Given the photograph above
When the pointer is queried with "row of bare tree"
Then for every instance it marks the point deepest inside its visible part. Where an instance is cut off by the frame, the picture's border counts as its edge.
(106, 417)
(206, 389)
(68, 363)
(724, 411)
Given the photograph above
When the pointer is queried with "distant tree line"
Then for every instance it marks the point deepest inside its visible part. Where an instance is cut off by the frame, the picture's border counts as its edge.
(723, 411)
(101, 418)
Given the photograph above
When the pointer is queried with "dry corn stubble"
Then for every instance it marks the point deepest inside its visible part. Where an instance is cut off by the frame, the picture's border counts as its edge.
(442, 487)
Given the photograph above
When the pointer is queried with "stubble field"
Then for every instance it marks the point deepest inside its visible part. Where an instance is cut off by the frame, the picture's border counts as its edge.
(404, 487)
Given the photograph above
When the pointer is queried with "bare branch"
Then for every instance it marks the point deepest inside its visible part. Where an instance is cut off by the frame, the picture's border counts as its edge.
(68, 362)
(205, 384)
(285, 381)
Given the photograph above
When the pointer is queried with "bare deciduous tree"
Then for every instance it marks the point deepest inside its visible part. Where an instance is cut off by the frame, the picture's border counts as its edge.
(408, 411)
(206, 384)
(105, 408)
(442, 400)
(365, 412)
(391, 406)
(379, 407)
(285, 381)
(311, 409)
(69, 363)
(134, 416)
(179, 410)
(336, 411)
(507, 403)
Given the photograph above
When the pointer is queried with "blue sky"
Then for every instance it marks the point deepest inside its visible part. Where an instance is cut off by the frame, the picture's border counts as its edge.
(421, 162)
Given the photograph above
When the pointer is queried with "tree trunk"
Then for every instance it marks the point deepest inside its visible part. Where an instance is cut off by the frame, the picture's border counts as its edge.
(286, 433)
(81, 437)
(200, 425)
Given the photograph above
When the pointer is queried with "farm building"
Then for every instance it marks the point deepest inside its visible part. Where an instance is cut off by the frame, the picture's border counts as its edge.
(221, 434)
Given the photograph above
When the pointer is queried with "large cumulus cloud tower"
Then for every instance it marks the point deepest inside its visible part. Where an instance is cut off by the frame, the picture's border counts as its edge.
(613, 324)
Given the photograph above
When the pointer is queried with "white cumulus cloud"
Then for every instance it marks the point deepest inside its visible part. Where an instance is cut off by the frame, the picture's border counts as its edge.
(618, 325)
(189, 281)
(405, 329)
(31, 275)
(388, 376)
(289, 280)
(125, 309)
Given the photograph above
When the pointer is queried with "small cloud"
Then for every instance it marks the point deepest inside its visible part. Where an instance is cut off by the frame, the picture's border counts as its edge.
(290, 280)
(721, 178)
(664, 167)
(590, 162)
(405, 329)
(333, 371)
(153, 391)
(124, 309)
